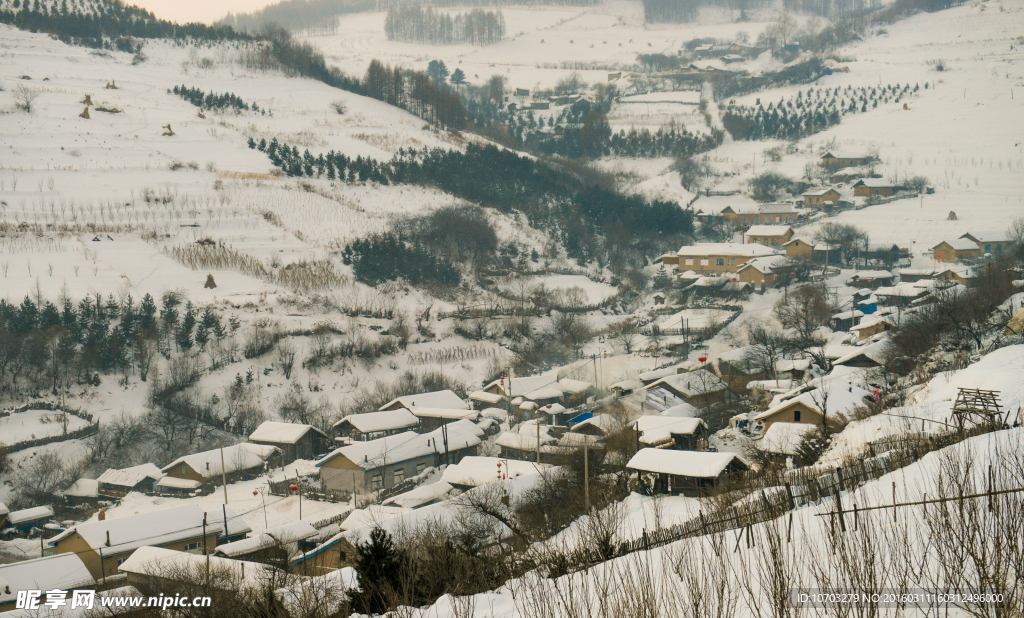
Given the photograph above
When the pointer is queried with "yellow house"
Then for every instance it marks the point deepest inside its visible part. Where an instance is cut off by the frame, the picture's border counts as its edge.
(231, 462)
(799, 248)
(796, 410)
(956, 250)
(335, 553)
(769, 235)
(821, 196)
(837, 158)
(105, 544)
(719, 258)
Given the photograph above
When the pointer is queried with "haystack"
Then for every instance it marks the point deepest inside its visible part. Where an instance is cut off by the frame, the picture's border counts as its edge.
(85, 113)
(210, 284)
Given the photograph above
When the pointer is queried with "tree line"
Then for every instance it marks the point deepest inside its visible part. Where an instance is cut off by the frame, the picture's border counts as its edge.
(416, 92)
(212, 100)
(413, 24)
(592, 222)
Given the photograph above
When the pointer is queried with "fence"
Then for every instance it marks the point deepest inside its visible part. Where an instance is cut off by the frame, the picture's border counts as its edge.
(84, 432)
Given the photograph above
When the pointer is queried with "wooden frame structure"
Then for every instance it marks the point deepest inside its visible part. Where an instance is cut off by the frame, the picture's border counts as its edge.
(977, 405)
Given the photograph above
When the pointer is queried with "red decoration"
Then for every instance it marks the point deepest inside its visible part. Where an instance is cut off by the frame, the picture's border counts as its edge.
(702, 358)
(254, 492)
(292, 488)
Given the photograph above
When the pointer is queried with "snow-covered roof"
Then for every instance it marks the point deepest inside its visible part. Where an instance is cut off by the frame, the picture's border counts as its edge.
(62, 571)
(424, 494)
(497, 414)
(176, 523)
(627, 385)
(848, 315)
(844, 154)
(869, 321)
(387, 420)
(774, 386)
(32, 514)
(278, 535)
(476, 471)
(552, 408)
(408, 445)
(3, 509)
(691, 383)
(605, 423)
(706, 249)
(525, 384)
(544, 392)
(486, 397)
(573, 387)
(871, 274)
(436, 399)
(456, 413)
(768, 230)
(371, 516)
(682, 409)
(657, 374)
(171, 482)
(657, 429)
(793, 364)
(765, 265)
(237, 457)
(525, 438)
(874, 351)
(784, 438)
(775, 208)
(160, 562)
(807, 241)
(130, 477)
(877, 183)
(843, 396)
(83, 488)
(682, 463)
(960, 244)
(281, 433)
(819, 191)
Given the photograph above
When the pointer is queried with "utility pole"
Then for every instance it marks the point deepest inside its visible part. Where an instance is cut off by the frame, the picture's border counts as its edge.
(223, 475)
(206, 551)
(299, 485)
(586, 471)
(538, 438)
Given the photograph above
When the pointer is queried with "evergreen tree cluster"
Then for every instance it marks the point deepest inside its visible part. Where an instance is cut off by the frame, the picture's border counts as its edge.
(413, 24)
(51, 346)
(808, 112)
(387, 257)
(415, 91)
(211, 100)
(586, 219)
(107, 24)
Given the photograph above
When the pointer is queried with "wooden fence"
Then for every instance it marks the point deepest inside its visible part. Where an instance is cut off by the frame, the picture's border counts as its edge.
(84, 432)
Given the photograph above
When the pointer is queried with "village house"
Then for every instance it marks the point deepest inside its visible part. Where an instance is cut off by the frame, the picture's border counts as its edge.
(671, 432)
(276, 545)
(866, 356)
(870, 279)
(153, 569)
(684, 472)
(821, 196)
(531, 441)
(873, 187)
(476, 471)
(799, 248)
(432, 418)
(763, 271)
(869, 327)
(233, 463)
(335, 553)
(295, 440)
(838, 158)
(956, 250)
(989, 244)
(782, 441)
(531, 392)
(65, 572)
(736, 369)
(717, 258)
(105, 544)
(373, 425)
(769, 235)
(363, 467)
(118, 483)
(438, 399)
(760, 214)
(960, 274)
(700, 389)
(27, 519)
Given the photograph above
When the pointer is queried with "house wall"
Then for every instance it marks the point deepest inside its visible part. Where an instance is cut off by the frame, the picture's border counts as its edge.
(770, 241)
(865, 191)
(808, 415)
(697, 263)
(799, 250)
(949, 254)
(339, 555)
(834, 162)
(109, 565)
(755, 277)
(871, 331)
(340, 474)
(829, 198)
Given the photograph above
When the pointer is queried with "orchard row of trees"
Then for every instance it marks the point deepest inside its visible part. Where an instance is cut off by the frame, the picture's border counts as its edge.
(413, 24)
(802, 115)
(386, 257)
(211, 100)
(590, 221)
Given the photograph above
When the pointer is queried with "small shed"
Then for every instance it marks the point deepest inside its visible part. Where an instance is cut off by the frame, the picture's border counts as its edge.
(26, 519)
(684, 472)
(373, 425)
(296, 440)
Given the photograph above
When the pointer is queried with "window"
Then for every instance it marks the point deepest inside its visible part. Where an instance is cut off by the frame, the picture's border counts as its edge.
(120, 561)
(420, 467)
(988, 248)
(376, 482)
(796, 416)
(183, 469)
(399, 475)
(732, 261)
(689, 261)
(704, 261)
(789, 218)
(197, 546)
(719, 261)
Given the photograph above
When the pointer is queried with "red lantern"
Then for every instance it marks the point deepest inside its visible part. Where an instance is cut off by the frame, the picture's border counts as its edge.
(702, 358)
(255, 493)
(293, 488)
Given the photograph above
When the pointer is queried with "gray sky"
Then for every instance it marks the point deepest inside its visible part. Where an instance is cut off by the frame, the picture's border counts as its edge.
(205, 11)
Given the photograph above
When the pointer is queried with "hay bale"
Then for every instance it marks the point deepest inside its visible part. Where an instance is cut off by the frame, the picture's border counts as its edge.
(85, 113)
(210, 284)
(951, 216)
(87, 100)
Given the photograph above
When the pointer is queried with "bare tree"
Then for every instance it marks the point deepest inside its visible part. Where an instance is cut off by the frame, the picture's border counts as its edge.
(25, 98)
(286, 358)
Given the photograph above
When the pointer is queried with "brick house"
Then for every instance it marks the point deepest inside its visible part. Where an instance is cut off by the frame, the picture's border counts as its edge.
(769, 235)
(956, 250)
(718, 258)
(873, 187)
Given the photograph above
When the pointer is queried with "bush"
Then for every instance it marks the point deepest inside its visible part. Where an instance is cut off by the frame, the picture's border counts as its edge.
(387, 257)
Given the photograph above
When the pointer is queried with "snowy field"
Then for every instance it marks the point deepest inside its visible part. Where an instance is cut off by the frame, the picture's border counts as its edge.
(35, 424)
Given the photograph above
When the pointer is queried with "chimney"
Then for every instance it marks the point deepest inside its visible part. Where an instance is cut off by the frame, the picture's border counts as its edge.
(108, 538)
(366, 458)
(207, 465)
(102, 515)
